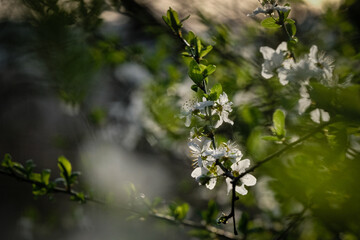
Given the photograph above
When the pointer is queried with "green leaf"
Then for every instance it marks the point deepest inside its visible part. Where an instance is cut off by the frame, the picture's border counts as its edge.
(38, 191)
(179, 211)
(65, 167)
(286, 14)
(45, 176)
(190, 36)
(205, 51)
(291, 28)
(209, 70)
(29, 166)
(196, 72)
(184, 19)
(172, 20)
(292, 44)
(194, 88)
(279, 123)
(198, 47)
(19, 167)
(166, 20)
(270, 23)
(7, 161)
(79, 197)
(215, 92)
(74, 177)
(36, 177)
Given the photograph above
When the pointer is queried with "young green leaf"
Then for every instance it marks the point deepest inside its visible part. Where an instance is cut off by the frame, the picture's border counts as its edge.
(65, 167)
(79, 197)
(36, 177)
(194, 87)
(172, 20)
(198, 47)
(190, 36)
(209, 70)
(196, 72)
(291, 27)
(279, 123)
(45, 176)
(286, 14)
(179, 211)
(270, 23)
(205, 51)
(215, 92)
(7, 161)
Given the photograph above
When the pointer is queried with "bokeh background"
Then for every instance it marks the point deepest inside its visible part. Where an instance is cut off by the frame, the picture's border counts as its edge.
(103, 82)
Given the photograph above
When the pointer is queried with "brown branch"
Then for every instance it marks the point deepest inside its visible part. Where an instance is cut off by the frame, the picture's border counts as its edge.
(219, 232)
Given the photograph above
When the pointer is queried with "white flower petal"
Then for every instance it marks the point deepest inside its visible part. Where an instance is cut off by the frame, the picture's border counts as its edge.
(282, 47)
(248, 180)
(218, 123)
(313, 53)
(211, 184)
(228, 184)
(267, 52)
(257, 11)
(241, 190)
(282, 8)
(304, 103)
(196, 172)
(241, 165)
(319, 115)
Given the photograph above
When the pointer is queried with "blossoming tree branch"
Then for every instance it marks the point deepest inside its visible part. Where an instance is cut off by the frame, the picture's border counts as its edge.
(323, 98)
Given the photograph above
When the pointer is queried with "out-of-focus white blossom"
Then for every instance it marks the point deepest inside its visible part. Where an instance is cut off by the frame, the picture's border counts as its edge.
(298, 72)
(319, 115)
(273, 59)
(222, 107)
(322, 64)
(304, 101)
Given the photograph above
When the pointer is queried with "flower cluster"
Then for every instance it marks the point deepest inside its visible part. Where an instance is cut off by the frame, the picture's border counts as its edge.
(210, 163)
(221, 108)
(313, 65)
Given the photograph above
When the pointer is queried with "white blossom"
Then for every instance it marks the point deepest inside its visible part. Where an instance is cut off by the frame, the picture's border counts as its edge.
(273, 59)
(319, 115)
(222, 107)
(300, 71)
(247, 180)
(229, 151)
(322, 64)
(189, 108)
(304, 101)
